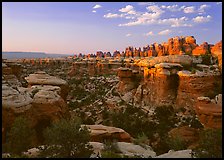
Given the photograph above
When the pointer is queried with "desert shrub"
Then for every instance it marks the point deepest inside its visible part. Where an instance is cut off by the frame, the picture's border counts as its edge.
(206, 59)
(141, 139)
(217, 89)
(110, 154)
(133, 120)
(67, 139)
(210, 144)
(166, 118)
(176, 143)
(19, 138)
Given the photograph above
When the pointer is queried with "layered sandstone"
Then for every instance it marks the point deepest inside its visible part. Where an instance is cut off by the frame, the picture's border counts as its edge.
(99, 133)
(209, 111)
(193, 85)
(128, 80)
(41, 78)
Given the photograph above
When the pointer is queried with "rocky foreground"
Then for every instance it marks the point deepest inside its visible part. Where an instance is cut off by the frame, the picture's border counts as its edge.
(179, 73)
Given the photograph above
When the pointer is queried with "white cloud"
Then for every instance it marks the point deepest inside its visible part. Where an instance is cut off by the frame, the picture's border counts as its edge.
(146, 17)
(97, 6)
(149, 33)
(173, 8)
(190, 9)
(126, 9)
(201, 19)
(202, 8)
(155, 9)
(146, 3)
(94, 11)
(165, 32)
(128, 35)
(175, 22)
(111, 15)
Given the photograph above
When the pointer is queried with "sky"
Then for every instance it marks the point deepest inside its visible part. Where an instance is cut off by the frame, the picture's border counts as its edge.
(88, 27)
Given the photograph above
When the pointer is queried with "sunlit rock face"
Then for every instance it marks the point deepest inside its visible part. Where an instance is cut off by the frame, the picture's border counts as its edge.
(150, 62)
(92, 68)
(201, 50)
(194, 85)
(41, 78)
(210, 111)
(159, 86)
(216, 51)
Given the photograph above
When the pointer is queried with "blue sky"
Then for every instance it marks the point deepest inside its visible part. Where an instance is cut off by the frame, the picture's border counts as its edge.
(86, 27)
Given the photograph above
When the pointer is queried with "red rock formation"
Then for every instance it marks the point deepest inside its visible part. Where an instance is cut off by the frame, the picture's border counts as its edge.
(209, 113)
(192, 86)
(189, 136)
(160, 85)
(128, 80)
(100, 133)
(201, 50)
(216, 51)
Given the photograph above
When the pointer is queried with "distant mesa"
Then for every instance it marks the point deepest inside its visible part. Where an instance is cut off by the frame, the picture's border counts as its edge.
(18, 55)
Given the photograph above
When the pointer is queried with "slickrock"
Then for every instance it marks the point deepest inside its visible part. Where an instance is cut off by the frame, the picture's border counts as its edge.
(130, 149)
(99, 133)
(177, 154)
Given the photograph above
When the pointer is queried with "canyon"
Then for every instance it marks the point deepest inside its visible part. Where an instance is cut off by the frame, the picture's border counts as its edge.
(178, 73)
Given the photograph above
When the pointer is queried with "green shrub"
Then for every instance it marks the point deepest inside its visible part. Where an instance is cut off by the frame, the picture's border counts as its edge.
(166, 118)
(66, 139)
(141, 139)
(176, 143)
(109, 154)
(210, 144)
(206, 59)
(19, 138)
(133, 120)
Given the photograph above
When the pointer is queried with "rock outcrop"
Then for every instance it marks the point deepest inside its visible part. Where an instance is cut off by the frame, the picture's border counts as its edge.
(41, 78)
(201, 50)
(177, 154)
(216, 51)
(129, 149)
(40, 104)
(193, 85)
(209, 111)
(99, 133)
(129, 80)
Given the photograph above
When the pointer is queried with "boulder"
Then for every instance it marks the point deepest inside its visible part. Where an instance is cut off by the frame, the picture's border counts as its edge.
(99, 133)
(97, 149)
(177, 154)
(130, 149)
